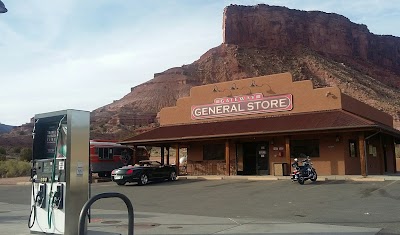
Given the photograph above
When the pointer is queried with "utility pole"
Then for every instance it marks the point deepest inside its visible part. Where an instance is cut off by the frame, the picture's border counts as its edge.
(3, 8)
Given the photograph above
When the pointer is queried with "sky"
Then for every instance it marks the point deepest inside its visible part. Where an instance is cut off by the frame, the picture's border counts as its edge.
(74, 54)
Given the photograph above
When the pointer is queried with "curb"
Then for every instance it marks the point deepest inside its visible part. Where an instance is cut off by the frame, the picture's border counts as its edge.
(369, 179)
(22, 183)
(258, 178)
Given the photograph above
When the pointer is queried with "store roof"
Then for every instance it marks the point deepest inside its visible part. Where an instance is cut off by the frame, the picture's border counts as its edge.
(295, 123)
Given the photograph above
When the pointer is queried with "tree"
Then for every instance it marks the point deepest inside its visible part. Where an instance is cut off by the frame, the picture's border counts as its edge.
(26, 154)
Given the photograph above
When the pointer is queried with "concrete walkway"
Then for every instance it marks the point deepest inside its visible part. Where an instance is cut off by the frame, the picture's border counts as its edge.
(107, 222)
(320, 178)
(25, 180)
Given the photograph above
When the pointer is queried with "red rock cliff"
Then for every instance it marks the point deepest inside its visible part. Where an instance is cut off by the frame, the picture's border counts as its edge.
(279, 27)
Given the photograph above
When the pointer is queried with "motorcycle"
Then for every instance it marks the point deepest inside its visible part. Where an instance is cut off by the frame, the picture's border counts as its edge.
(304, 172)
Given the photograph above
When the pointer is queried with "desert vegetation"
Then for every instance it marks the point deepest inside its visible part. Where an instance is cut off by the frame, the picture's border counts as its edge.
(15, 162)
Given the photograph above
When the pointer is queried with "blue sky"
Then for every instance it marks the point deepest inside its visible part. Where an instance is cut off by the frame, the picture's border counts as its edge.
(73, 54)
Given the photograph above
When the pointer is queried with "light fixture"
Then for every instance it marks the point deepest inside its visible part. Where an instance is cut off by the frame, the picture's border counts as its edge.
(234, 87)
(253, 83)
(330, 94)
(215, 89)
(3, 8)
(337, 138)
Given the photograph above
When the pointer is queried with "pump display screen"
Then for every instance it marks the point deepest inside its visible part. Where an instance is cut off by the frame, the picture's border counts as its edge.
(51, 137)
(56, 141)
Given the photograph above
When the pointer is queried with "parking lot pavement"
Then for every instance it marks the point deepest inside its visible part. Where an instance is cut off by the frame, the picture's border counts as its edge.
(237, 206)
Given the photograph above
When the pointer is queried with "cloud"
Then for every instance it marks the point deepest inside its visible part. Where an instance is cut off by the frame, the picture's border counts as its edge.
(92, 69)
(83, 55)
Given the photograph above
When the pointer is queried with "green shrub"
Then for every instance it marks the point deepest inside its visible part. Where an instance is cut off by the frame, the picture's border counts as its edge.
(17, 150)
(2, 151)
(26, 154)
(14, 168)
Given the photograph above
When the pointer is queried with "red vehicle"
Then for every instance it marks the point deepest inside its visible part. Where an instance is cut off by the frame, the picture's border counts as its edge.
(106, 156)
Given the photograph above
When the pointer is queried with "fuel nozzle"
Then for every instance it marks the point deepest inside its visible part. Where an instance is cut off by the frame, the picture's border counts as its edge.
(41, 196)
(58, 197)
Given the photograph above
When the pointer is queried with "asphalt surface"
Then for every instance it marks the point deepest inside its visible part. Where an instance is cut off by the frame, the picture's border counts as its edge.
(344, 203)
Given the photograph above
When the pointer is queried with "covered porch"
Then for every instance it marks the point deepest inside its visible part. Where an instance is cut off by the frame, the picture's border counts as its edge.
(338, 142)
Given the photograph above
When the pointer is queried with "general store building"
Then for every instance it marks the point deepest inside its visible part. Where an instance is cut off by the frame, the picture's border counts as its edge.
(256, 126)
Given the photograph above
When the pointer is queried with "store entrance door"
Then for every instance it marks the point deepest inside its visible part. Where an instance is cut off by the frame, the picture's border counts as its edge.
(255, 158)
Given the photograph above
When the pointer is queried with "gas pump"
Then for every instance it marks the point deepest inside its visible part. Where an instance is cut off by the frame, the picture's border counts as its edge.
(60, 171)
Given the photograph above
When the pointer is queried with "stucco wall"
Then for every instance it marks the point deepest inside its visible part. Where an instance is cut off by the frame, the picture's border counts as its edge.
(330, 162)
(305, 97)
(331, 154)
(357, 107)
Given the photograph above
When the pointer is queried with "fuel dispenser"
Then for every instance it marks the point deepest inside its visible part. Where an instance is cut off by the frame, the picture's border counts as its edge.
(60, 171)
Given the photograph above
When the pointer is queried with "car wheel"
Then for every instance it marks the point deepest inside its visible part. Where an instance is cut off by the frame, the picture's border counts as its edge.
(172, 176)
(121, 183)
(143, 179)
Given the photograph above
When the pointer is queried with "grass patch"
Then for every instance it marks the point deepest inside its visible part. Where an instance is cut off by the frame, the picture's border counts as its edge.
(14, 168)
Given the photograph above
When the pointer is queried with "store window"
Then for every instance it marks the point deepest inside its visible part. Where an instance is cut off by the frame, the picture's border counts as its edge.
(353, 148)
(214, 152)
(304, 148)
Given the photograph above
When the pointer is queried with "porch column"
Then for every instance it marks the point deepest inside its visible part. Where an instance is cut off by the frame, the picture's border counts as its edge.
(168, 155)
(177, 159)
(361, 144)
(287, 152)
(162, 154)
(381, 156)
(393, 147)
(227, 160)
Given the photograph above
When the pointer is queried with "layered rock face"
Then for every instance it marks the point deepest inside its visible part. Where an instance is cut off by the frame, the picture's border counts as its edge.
(260, 40)
(272, 27)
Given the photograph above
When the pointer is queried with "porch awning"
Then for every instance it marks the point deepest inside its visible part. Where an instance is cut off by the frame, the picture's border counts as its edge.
(284, 124)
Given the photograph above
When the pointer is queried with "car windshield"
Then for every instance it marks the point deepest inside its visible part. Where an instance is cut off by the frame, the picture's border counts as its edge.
(149, 163)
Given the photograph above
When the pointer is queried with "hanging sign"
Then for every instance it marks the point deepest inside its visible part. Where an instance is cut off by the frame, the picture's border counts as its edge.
(243, 105)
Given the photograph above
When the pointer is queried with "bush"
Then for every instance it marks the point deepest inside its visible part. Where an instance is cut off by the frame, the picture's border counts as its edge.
(26, 154)
(2, 151)
(14, 168)
(17, 150)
